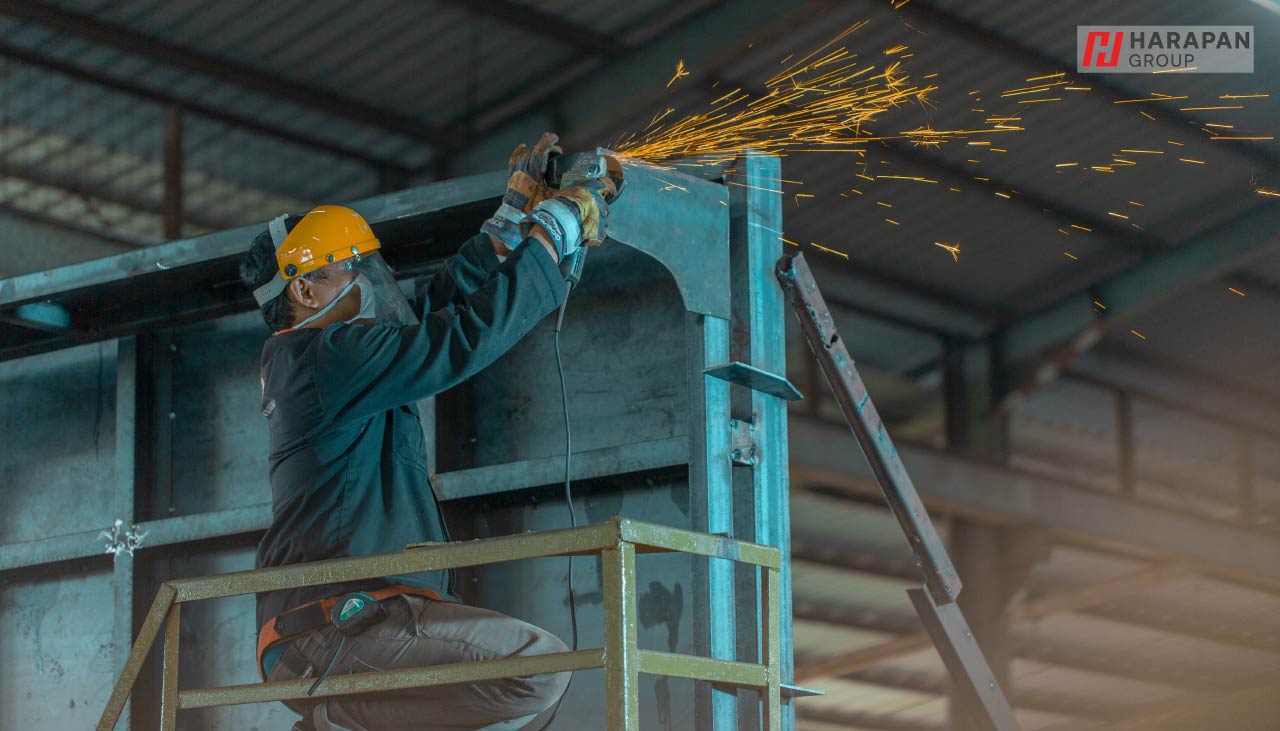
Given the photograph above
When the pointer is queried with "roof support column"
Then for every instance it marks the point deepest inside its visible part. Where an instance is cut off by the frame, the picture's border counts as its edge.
(993, 560)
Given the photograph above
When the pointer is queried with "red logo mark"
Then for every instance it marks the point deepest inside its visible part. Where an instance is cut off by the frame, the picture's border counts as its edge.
(1099, 41)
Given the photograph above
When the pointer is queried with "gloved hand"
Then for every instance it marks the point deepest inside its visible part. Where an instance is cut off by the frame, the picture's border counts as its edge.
(575, 217)
(526, 187)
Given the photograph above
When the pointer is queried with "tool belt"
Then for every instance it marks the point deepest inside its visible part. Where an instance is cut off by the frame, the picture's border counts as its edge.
(314, 615)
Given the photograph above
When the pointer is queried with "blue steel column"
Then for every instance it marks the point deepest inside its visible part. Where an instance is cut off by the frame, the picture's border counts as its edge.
(759, 339)
(122, 505)
(711, 508)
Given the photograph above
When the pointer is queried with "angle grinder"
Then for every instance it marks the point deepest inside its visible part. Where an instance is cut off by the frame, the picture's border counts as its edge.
(584, 166)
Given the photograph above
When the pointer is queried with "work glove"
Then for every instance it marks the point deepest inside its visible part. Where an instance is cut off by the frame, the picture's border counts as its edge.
(526, 187)
(575, 217)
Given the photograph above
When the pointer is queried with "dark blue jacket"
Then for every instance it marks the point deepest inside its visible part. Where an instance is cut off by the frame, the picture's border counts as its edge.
(348, 461)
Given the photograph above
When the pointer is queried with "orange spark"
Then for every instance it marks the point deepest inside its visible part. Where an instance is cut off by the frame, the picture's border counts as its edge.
(681, 72)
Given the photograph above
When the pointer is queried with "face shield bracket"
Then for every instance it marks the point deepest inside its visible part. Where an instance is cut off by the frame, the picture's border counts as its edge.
(274, 288)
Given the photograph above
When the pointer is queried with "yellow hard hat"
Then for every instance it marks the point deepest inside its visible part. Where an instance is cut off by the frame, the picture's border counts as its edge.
(327, 234)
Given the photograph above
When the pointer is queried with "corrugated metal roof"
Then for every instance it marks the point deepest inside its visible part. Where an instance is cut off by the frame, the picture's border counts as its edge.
(1047, 27)
(1211, 328)
(1010, 251)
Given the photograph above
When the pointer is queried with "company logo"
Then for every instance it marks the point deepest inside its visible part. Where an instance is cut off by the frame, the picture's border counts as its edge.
(1138, 49)
(1098, 43)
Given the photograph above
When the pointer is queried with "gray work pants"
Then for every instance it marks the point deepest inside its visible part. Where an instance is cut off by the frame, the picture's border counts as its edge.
(420, 632)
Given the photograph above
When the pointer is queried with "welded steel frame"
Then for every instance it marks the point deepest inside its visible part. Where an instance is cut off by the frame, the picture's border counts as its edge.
(617, 541)
(736, 232)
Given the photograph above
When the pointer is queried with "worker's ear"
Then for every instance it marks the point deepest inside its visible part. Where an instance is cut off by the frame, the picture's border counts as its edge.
(303, 292)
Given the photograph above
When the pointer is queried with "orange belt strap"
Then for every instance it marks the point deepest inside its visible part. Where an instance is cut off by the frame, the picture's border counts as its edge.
(268, 636)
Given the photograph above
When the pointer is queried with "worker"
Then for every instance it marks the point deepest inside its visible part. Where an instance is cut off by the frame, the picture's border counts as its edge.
(340, 376)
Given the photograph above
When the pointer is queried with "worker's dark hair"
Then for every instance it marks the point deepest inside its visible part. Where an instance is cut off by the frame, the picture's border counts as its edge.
(257, 267)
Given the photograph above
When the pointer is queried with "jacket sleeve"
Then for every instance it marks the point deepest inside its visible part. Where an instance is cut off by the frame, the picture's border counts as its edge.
(462, 274)
(363, 370)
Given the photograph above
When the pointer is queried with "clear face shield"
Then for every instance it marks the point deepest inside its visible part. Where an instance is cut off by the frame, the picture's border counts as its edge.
(368, 278)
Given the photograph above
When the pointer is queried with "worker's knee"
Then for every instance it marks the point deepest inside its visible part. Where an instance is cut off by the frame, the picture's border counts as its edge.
(531, 694)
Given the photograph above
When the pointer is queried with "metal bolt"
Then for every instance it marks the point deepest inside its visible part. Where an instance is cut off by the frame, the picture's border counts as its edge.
(992, 684)
(172, 416)
(735, 454)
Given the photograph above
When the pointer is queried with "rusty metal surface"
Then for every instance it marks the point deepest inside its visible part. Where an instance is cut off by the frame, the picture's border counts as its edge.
(827, 346)
(720, 672)
(169, 683)
(622, 667)
(399, 679)
(133, 665)
(587, 539)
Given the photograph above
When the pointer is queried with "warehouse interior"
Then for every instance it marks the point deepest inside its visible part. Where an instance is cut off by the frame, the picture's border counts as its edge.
(1084, 391)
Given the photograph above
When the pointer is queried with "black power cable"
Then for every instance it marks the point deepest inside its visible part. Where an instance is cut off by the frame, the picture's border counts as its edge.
(574, 267)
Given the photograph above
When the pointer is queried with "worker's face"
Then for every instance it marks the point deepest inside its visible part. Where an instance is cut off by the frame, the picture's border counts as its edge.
(316, 291)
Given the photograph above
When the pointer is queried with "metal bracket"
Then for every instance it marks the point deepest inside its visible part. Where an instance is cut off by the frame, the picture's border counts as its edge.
(790, 691)
(756, 380)
(122, 540)
(742, 444)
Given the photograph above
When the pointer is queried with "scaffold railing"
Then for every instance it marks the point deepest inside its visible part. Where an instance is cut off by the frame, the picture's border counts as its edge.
(617, 541)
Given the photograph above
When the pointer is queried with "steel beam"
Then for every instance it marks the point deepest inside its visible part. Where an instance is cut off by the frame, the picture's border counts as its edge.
(761, 497)
(1071, 600)
(622, 459)
(1188, 624)
(416, 226)
(818, 458)
(928, 683)
(111, 242)
(994, 492)
(1256, 706)
(860, 413)
(124, 38)
(621, 678)
(173, 167)
(1061, 655)
(330, 147)
(550, 26)
(130, 408)
(84, 189)
(831, 720)
(1038, 346)
(135, 657)
(698, 42)
(711, 507)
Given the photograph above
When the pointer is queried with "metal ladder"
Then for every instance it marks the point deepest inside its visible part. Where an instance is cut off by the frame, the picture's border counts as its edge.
(935, 602)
